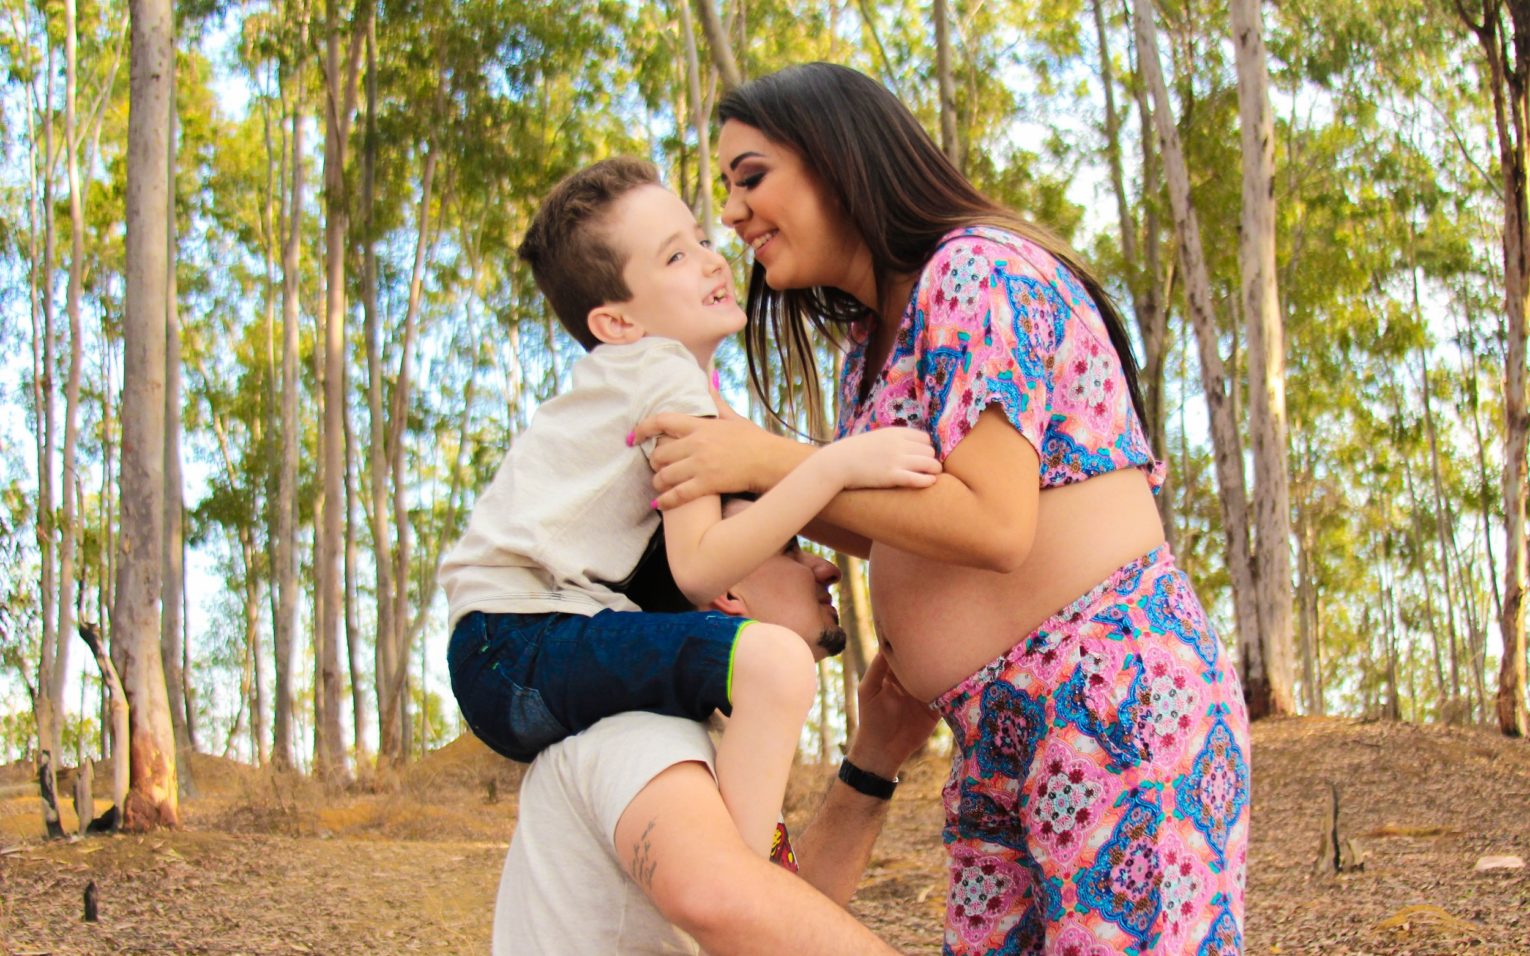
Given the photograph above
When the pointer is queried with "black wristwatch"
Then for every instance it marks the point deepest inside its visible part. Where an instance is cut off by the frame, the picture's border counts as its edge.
(864, 781)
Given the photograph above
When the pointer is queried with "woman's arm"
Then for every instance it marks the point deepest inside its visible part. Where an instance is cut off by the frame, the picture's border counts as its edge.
(709, 554)
(981, 512)
(715, 456)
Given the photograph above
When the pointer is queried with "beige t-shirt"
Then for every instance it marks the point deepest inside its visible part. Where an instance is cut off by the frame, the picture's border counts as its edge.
(569, 510)
(563, 890)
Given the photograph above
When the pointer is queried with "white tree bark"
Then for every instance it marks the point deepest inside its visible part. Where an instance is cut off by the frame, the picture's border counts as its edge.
(1266, 356)
(392, 703)
(701, 121)
(286, 493)
(1516, 251)
(1227, 447)
(717, 40)
(152, 799)
(172, 629)
(340, 108)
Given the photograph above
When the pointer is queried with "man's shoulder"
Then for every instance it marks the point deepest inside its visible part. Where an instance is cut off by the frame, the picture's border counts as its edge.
(605, 766)
(621, 737)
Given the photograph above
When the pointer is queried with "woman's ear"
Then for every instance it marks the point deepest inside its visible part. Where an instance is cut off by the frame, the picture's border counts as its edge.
(612, 326)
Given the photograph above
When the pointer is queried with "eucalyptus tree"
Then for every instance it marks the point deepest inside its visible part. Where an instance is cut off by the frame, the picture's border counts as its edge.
(345, 29)
(1216, 380)
(1266, 355)
(293, 67)
(1502, 28)
(152, 799)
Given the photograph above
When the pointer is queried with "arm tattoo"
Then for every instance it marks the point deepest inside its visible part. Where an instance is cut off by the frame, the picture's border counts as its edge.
(643, 864)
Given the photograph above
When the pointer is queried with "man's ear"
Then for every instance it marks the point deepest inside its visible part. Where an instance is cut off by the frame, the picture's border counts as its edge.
(609, 324)
(730, 603)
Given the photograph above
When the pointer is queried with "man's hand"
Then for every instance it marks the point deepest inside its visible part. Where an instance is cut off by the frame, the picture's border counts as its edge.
(894, 723)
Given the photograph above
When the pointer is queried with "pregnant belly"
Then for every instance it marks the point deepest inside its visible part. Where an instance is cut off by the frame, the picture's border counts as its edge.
(940, 622)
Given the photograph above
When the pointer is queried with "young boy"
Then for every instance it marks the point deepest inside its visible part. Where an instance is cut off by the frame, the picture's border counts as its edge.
(543, 642)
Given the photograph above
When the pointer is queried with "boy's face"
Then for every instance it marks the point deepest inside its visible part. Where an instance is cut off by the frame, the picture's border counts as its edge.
(681, 288)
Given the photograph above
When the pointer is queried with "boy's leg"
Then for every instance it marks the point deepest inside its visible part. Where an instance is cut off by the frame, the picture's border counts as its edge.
(772, 686)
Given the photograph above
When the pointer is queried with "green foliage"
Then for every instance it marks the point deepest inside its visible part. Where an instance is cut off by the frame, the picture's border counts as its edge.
(1386, 193)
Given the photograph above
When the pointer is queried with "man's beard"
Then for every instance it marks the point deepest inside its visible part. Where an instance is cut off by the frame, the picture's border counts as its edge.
(832, 640)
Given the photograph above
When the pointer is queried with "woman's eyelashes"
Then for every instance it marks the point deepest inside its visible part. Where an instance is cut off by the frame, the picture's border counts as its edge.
(750, 181)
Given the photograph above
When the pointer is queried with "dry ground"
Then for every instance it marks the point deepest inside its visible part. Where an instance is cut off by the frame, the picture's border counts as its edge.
(268, 864)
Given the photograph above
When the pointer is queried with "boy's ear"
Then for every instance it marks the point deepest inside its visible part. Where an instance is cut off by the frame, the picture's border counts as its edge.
(610, 324)
(730, 603)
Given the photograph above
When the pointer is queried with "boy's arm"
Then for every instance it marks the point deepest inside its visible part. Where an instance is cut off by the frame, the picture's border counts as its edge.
(709, 554)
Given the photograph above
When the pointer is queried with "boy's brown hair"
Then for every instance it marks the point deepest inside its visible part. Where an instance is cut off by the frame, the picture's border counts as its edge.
(569, 247)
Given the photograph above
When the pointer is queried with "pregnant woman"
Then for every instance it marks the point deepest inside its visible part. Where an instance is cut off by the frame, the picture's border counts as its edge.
(1098, 801)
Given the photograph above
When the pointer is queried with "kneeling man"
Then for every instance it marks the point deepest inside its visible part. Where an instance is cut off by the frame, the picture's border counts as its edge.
(623, 845)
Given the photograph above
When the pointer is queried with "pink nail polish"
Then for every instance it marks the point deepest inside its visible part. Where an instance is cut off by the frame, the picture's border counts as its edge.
(654, 504)
(629, 439)
(716, 379)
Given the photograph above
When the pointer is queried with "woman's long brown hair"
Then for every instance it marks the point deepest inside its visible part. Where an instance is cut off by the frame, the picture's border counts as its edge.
(901, 193)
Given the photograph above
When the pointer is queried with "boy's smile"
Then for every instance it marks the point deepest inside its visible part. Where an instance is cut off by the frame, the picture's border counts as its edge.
(681, 288)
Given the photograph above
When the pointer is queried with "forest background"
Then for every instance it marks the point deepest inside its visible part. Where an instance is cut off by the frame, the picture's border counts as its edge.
(235, 447)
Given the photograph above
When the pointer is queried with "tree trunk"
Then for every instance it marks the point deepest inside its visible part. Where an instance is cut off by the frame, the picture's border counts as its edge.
(91, 635)
(340, 105)
(855, 614)
(950, 143)
(1144, 280)
(384, 639)
(1307, 630)
(1509, 83)
(1448, 582)
(825, 708)
(352, 621)
(700, 120)
(152, 800)
(285, 628)
(1226, 445)
(1266, 357)
(47, 707)
(1516, 242)
(172, 631)
(50, 706)
(391, 702)
(717, 41)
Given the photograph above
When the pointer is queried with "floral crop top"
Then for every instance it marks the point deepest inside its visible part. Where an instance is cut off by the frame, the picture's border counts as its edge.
(996, 319)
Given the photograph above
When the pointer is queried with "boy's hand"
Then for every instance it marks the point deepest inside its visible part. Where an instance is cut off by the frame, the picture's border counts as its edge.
(885, 458)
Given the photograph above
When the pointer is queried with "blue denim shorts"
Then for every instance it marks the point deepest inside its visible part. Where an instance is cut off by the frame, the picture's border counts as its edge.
(526, 681)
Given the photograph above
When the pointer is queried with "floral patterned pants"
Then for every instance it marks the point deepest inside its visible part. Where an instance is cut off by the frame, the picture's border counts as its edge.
(1098, 801)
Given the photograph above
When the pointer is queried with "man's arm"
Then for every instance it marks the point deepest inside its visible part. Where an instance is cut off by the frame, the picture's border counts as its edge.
(832, 851)
(677, 842)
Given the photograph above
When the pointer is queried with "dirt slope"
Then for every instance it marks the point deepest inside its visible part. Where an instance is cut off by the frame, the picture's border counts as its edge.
(268, 864)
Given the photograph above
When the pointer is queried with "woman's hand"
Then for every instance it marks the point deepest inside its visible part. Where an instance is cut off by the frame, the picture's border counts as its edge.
(714, 456)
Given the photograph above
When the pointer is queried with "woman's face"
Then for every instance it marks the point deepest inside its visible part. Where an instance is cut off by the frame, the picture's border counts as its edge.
(785, 216)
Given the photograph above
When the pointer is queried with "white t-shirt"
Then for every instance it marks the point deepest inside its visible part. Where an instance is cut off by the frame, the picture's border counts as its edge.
(563, 889)
(568, 510)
